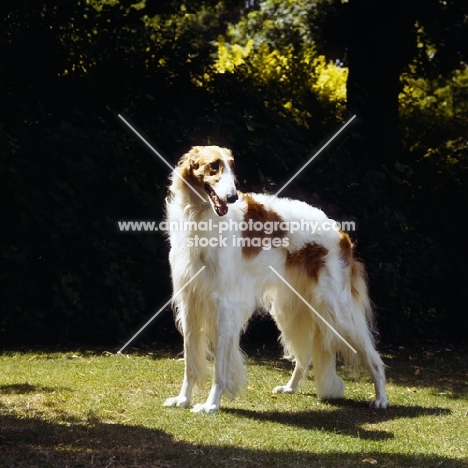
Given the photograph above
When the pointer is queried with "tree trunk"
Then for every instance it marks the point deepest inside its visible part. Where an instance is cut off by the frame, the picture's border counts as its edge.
(379, 47)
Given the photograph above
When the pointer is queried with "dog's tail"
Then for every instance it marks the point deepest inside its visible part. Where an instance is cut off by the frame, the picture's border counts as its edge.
(359, 291)
(361, 322)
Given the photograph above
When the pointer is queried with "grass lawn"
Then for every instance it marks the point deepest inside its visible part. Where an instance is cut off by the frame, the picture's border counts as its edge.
(94, 409)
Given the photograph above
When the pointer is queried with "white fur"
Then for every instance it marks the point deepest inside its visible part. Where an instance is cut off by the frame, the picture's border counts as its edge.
(215, 308)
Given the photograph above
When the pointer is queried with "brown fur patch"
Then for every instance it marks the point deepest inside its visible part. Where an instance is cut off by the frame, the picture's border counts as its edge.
(208, 163)
(357, 271)
(346, 248)
(256, 212)
(204, 165)
(310, 258)
(186, 168)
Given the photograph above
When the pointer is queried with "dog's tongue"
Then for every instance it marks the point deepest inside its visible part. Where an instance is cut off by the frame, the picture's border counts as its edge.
(220, 206)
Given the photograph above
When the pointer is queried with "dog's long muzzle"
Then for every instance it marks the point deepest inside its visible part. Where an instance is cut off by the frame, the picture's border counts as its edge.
(220, 206)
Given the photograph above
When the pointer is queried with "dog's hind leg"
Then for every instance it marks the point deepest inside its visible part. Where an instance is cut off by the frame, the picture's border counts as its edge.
(353, 308)
(296, 326)
(327, 383)
(378, 374)
(352, 311)
(369, 355)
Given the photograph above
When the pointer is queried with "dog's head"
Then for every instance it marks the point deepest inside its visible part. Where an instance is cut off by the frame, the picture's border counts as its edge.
(210, 171)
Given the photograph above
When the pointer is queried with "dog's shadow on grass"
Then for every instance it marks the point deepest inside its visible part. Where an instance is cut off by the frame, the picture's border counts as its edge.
(25, 388)
(348, 417)
(35, 442)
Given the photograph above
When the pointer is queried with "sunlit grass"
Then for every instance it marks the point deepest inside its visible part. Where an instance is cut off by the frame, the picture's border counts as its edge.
(100, 409)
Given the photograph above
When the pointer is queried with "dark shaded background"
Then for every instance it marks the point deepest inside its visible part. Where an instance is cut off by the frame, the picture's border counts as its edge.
(70, 170)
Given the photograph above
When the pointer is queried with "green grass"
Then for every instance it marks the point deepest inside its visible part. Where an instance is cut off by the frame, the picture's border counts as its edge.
(92, 409)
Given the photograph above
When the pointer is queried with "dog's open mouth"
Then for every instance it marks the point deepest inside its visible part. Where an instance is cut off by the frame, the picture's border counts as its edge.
(220, 206)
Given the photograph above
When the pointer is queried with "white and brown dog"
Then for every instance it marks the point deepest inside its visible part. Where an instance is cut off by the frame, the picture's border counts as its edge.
(268, 256)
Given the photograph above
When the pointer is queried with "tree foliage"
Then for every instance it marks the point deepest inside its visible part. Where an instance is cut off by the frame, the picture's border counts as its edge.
(274, 48)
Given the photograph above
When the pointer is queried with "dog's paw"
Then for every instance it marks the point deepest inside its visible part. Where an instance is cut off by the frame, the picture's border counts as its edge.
(283, 389)
(205, 408)
(379, 403)
(177, 402)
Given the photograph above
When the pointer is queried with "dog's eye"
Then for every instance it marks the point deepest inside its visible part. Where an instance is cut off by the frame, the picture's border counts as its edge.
(214, 166)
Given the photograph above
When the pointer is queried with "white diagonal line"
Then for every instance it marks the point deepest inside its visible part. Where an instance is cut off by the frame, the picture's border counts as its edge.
(313, 157)
(161, 158)
(161, 309)
(312, 309)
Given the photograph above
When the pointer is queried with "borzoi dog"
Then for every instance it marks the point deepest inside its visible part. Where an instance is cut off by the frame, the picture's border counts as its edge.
(259, 251)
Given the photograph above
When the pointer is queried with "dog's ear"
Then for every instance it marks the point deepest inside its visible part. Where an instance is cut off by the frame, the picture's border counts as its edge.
(194, 161)
(190, 160)
(184, 161)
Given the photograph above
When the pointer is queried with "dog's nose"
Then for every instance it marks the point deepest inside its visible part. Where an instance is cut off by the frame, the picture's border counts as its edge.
(232, 198)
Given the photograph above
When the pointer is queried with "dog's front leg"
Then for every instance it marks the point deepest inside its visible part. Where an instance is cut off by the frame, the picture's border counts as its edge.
(185, 395)
(228, 361)
(219, 378)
